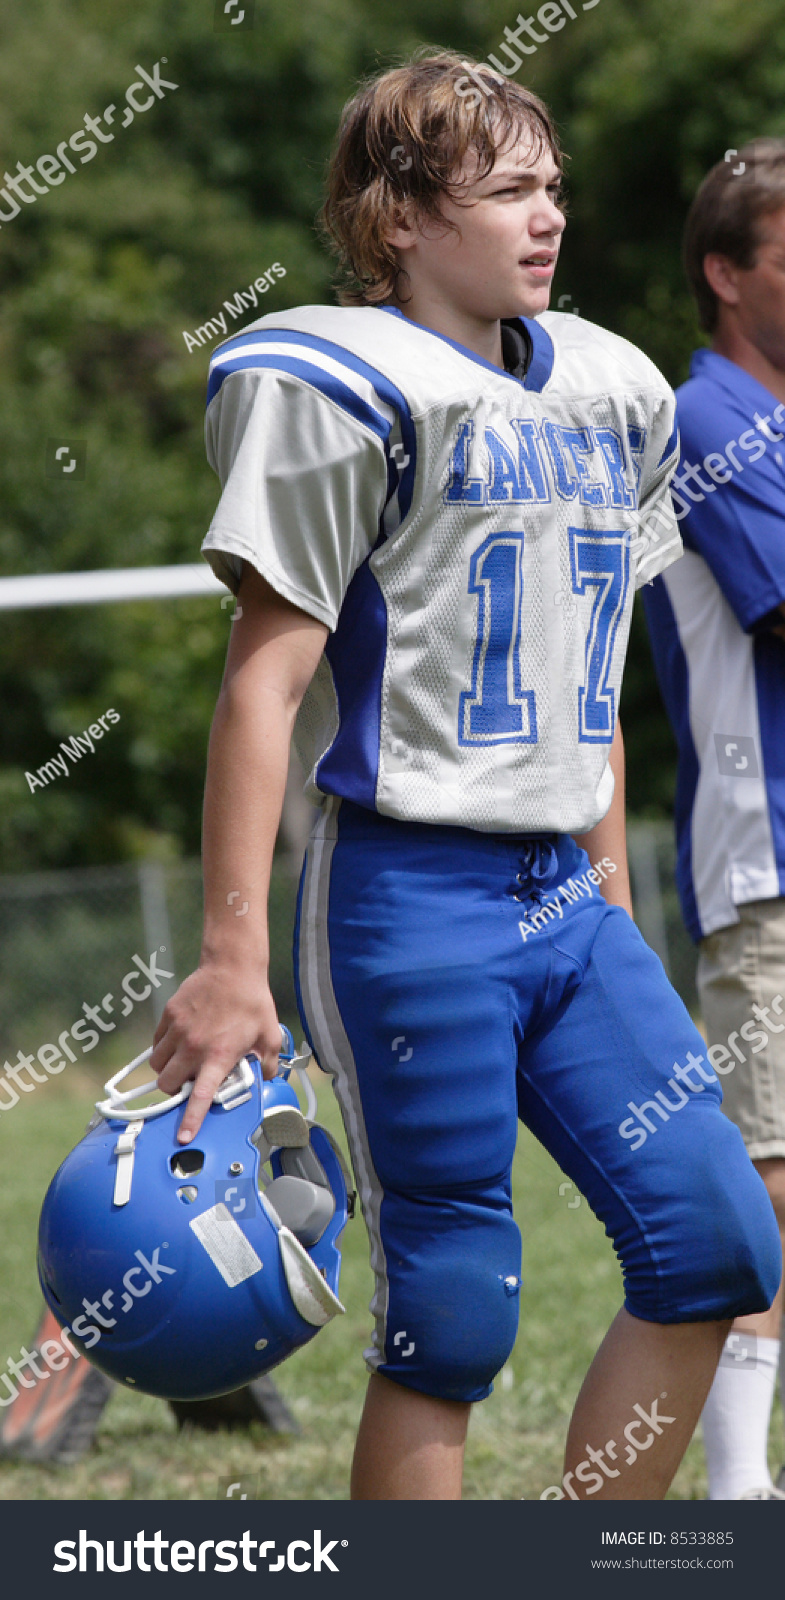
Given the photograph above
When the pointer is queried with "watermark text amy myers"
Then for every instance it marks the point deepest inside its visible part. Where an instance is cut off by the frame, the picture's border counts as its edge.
(58, 766)
(236, 308)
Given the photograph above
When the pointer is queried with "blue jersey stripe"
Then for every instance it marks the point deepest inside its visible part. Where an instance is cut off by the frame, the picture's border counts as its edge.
(325, 382)
(356, 652)
(401, 473)
(767, 656)
(386, 390)
(671, 447)
(541, 365)
(673, 674)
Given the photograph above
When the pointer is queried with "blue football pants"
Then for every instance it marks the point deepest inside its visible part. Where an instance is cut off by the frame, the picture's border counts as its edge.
(452, 982)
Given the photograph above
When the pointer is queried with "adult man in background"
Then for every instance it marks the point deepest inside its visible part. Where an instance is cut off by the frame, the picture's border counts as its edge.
(717, 624)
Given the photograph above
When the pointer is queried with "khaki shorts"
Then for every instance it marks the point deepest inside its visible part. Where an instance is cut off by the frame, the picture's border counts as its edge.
(738, 967)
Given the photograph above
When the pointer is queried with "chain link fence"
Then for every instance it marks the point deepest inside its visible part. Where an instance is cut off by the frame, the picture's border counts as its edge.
(69, 939)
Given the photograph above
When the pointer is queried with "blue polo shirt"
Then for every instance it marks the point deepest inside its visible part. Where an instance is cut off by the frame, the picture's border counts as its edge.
(720, 669)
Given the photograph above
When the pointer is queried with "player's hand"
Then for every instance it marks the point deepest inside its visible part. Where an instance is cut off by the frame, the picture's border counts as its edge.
(217, 1016)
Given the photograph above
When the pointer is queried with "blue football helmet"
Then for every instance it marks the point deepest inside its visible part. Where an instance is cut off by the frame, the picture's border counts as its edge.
(186, 1271)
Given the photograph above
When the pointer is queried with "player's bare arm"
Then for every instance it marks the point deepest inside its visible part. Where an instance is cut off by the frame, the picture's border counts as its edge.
(609, 836)
(225, 1008)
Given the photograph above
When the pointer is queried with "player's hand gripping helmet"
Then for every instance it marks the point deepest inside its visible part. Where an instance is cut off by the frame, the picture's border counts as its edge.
(188, 1270)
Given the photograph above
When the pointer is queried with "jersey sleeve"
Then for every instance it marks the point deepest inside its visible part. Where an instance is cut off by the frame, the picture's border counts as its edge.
(657, 541)
(738, 527)
(303, 488)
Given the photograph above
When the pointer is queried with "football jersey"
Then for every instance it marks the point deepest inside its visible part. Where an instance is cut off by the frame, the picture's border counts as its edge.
(472, 541)
(723, 681)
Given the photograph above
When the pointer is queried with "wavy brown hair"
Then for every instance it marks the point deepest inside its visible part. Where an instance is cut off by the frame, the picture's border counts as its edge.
(404, 137)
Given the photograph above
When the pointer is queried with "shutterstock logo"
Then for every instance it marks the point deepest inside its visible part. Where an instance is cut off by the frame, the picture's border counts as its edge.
(300, 1555)
(736, 755)
(233, 16)
(66, 458)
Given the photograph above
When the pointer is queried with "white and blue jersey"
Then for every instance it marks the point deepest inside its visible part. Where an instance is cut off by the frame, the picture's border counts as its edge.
(722, 674)
(467, 538)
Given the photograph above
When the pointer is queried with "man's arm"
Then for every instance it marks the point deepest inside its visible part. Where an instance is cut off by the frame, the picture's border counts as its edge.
(609, 837)
(224, 1009)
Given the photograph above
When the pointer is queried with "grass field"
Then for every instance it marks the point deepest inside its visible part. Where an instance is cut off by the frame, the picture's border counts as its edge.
(572, 1288)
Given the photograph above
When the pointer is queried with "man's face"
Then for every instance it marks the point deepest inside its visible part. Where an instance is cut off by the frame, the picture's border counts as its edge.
(761, 290)
(501, 261)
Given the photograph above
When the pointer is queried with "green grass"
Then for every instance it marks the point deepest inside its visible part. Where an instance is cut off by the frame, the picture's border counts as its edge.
(572, 1289)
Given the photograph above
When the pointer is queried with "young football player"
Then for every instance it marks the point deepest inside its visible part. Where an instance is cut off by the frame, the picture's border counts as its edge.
(426, 516)
(717, 623)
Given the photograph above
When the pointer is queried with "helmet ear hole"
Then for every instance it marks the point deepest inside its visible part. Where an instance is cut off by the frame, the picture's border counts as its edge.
(186, 1163)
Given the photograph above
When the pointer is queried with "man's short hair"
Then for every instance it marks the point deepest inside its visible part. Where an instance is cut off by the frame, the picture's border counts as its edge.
(405, 135)
(727, 213)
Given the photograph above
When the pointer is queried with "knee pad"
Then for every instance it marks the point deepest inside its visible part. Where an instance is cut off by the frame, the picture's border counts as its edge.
(452, 1308)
